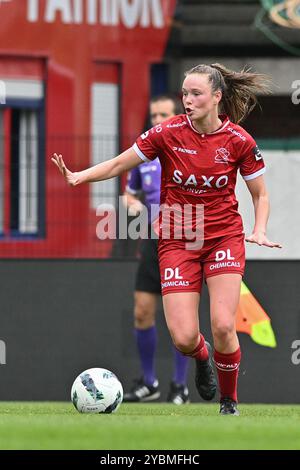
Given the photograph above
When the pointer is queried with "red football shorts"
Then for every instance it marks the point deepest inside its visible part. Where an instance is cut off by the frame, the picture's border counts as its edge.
(182, 270)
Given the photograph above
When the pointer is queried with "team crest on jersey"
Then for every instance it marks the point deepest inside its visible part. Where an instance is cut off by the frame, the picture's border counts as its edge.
(222, 155)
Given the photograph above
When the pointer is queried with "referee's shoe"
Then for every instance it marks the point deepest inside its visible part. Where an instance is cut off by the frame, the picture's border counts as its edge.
(205, 378)
(178, 394)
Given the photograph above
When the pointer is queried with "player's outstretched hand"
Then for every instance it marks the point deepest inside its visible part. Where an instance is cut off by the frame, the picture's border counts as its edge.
(261, 240)
(70, 177)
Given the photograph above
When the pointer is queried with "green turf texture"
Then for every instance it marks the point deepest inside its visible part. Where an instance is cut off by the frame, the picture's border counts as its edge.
(148, 426)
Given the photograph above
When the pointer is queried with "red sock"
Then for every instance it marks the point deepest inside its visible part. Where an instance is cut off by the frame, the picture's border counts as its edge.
(228, 370)
(200, 352)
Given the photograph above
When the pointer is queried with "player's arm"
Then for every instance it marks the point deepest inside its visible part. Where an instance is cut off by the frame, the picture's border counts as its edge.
(103, 171)
(261, 205)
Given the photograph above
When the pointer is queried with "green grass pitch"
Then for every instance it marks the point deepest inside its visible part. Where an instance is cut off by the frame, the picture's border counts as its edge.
(148, 426)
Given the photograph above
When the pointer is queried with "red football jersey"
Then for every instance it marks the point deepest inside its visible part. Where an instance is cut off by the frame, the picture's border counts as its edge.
(202, 168)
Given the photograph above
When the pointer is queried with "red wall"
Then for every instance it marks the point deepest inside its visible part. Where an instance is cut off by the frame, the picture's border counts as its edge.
(65, 48)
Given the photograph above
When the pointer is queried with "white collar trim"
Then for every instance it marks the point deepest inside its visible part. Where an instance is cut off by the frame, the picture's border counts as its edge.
(227, 121)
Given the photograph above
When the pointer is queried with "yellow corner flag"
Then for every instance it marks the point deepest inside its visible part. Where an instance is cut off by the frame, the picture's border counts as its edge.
(253, 320)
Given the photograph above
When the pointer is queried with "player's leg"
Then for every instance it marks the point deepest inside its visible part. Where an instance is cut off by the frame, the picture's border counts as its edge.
(145, 388)
(181, 276)
(148, 282)
(224, 292)
(223, 269)
(178, 392)
(182, 317)
(145, 304)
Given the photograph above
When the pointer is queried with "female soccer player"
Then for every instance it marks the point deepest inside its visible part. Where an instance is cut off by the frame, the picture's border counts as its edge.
(144, 180)
(200, 153)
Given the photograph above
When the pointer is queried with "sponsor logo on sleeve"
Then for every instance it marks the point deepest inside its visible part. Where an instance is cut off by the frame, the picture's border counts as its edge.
(257, 154)
(145, 135)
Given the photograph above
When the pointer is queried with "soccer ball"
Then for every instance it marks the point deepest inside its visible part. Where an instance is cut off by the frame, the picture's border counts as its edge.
(97, 391)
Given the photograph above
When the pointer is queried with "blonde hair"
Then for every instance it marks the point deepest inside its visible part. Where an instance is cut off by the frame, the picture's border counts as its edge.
(239, 89)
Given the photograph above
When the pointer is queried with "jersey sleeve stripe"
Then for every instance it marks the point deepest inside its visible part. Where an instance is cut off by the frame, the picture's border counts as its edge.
(140, 153)
(255, 175)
